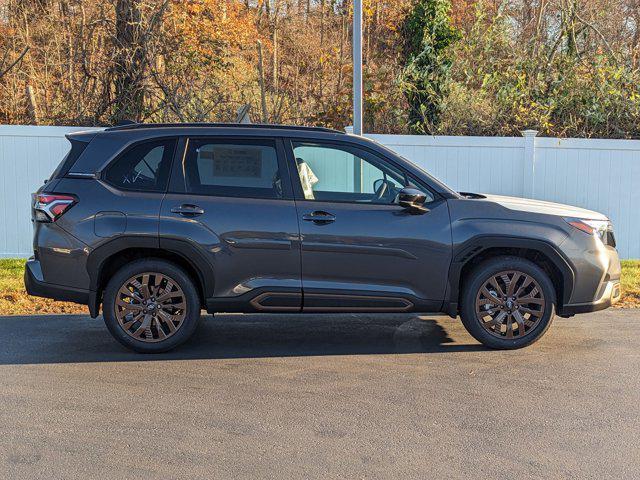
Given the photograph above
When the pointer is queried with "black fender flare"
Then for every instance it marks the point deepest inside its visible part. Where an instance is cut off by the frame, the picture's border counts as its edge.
(184, 249)
(468, 250)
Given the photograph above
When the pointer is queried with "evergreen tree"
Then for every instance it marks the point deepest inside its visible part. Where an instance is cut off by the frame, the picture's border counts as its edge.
(428, 35)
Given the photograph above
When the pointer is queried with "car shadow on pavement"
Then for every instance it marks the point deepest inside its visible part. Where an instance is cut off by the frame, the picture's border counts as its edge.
(78, 338)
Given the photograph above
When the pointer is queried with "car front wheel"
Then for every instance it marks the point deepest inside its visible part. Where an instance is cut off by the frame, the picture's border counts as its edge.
(151, 306)
(507, 302)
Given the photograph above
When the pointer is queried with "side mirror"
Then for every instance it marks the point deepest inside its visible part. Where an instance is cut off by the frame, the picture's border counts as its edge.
(412, 200)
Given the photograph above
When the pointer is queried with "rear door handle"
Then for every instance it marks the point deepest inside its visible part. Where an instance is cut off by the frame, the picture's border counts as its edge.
(188, 210)
(319, 217)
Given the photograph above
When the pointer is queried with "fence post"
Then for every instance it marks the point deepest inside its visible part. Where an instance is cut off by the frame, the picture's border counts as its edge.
(529, 187)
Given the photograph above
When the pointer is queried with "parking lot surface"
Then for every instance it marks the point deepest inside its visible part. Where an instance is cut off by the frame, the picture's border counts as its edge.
(339, 396)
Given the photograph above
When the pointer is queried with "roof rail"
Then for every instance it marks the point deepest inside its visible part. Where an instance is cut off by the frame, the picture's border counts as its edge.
(134, 126)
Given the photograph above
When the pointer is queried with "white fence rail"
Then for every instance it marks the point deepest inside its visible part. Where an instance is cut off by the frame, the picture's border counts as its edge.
(602, 175)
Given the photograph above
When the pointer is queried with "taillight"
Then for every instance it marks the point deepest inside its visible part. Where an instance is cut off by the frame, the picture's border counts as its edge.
(48, 207)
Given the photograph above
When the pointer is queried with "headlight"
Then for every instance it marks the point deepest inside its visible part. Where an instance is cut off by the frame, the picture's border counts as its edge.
(602, 228)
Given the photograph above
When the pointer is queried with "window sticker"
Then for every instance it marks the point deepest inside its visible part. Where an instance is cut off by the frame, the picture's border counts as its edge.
(233, 162)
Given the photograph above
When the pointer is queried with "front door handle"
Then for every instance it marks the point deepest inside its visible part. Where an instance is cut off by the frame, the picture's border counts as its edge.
(188, 210)
(319, 217)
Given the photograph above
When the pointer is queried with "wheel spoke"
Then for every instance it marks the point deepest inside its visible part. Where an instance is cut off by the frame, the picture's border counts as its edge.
(520, 320)
(165, 296)
(487, 302)
(135, 319)
(491, 296)
(126, 292)
(535, 313)
(529, 300)
(525, 284)
(497, 288)
(509, 332)
(168, 287)
(497, 321)
(158, 280)
(144, 286)
(161, 334)
(146, 322)
(129, 306)
(512, 283)
(168, 319)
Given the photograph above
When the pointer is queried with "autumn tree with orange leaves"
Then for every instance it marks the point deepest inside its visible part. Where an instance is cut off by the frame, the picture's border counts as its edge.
(565, 67)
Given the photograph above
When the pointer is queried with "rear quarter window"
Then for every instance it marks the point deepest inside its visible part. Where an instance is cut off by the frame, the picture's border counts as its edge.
(143, 167)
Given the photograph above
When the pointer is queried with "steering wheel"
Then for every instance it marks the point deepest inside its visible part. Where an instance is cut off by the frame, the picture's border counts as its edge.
(384, 190)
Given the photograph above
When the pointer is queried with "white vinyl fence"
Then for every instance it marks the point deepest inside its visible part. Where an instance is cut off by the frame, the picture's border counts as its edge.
(601, 175)
(28, 155)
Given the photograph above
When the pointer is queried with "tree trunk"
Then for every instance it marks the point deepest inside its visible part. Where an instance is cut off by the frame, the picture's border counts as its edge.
(263, 94)
(32, 105)
(129, 64)
(275, 55)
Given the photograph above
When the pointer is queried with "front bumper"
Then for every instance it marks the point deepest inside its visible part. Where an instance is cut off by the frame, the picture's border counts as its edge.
(610, 295)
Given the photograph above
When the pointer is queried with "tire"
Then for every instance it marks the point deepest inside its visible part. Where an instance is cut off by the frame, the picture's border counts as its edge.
(487, 317)
(169, 316)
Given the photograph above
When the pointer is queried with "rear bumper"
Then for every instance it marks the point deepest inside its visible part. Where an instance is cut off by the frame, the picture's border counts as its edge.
(35, 285)
(610, 295)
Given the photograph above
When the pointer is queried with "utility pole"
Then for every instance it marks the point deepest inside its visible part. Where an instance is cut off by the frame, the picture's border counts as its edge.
(357, 67)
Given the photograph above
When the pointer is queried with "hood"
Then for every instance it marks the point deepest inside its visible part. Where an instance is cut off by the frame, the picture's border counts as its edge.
(546, 208)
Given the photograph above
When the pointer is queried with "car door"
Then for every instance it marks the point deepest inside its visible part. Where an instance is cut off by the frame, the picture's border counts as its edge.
(360, 250)
(231, 201)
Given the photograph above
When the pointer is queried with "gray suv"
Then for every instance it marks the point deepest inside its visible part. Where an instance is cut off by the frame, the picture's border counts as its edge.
(156, 222)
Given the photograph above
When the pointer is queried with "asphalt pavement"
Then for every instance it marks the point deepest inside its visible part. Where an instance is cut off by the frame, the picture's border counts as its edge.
(336, 396)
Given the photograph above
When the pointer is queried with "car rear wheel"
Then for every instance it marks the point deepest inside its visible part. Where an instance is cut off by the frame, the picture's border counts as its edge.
(151, 306)
(507, 302)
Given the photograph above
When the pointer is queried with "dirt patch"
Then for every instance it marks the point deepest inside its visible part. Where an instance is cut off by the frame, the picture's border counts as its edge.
(19, 303)
(629, 300)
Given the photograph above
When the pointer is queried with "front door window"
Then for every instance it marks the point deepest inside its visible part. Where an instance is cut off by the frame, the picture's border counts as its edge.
(345, 174)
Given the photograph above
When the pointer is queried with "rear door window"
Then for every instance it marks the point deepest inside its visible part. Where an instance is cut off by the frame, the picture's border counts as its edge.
(233, 168)
(143, 167)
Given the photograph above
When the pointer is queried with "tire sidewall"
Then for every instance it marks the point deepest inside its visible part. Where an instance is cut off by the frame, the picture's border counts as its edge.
(475, 280)
(164, 267)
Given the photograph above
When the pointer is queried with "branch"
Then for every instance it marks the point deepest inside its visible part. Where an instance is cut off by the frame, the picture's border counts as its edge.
(6, 70)
(600, 34)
